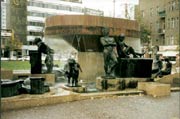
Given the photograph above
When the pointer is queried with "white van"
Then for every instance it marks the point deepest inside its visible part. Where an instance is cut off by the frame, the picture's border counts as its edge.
(170, 51)
(169, 54)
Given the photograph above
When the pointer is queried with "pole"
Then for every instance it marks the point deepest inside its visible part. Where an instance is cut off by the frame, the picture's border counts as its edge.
(12, 35)
(113, 8)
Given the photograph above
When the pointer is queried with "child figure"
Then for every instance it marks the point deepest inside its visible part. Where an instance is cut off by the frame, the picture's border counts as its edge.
(72, 72)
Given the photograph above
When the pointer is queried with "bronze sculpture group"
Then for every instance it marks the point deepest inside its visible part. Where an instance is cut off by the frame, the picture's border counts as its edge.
(43, 48)
(113, 50)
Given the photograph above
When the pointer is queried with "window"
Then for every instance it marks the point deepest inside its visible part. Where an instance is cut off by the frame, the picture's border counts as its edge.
(151, 12)
(157, 10)
(157, 25)
(172, 40)
(173, 5)
(169, 6)
(172, 22)
(177, 22)
(177, 5)
(168, 23)
(167, 39)
(142, 13)
(150, 26)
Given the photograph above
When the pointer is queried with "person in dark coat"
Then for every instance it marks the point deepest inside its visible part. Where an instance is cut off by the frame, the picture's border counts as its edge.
(158, 65)
(167, 70)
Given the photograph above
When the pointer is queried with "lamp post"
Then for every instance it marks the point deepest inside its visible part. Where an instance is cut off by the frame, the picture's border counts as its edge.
(114, 8)
(149, 40)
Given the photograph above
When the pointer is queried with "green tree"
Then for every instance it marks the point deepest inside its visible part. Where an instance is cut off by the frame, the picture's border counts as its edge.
(15, 44)
(145, 34)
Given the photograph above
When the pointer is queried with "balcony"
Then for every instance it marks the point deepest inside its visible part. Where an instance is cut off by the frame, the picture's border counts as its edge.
(162, 14)
(161, 31)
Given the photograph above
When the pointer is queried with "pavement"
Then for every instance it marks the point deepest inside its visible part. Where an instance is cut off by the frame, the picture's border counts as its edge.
(63, 104)
(116, 107)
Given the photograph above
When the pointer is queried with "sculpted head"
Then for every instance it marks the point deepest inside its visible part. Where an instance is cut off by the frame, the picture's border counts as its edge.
(105, 31)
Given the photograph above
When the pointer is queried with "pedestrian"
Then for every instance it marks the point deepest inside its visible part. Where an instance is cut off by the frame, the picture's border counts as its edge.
(177, 63)
(157, 65)
(167, 69)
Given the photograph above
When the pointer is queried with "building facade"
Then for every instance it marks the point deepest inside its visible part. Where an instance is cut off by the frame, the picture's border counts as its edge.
(27, 17)
(16, 18)
(3, 14)
(162, 19)
(38, 10)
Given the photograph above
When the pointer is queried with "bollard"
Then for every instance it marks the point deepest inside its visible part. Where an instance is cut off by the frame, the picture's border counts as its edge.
(37, 85)
(35, 61)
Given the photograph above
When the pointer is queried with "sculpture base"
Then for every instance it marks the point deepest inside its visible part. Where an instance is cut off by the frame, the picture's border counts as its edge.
(108, 77)
(115, 84)
(133, 67)
(79, 89)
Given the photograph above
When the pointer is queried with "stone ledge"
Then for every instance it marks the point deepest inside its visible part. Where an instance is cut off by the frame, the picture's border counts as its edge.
(155, 89)
(17, 102)
(50, 98)
(168, 79)
(27, 100)
(6, 74)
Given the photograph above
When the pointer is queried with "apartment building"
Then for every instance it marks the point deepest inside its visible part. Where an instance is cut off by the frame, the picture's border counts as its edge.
(16, 18)
(3, 14)
(161, 17)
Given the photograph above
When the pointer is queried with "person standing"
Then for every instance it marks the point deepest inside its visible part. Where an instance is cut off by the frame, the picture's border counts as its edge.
(177, 63)
(158, 65)
(167, 69)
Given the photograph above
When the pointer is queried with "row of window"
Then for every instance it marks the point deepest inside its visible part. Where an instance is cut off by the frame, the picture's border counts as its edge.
(58, 7)
(171, 40)
(36, 24)
(77, 1)
(171, 6)
(171, 23)
(36, 14)
(66, 7)
(32, 33)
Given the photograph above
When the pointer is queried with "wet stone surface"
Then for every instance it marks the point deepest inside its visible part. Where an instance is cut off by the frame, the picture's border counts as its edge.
(124, 107)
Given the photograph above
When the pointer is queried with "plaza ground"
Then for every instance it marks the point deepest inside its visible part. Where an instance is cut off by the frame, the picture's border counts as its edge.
(116, 107)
